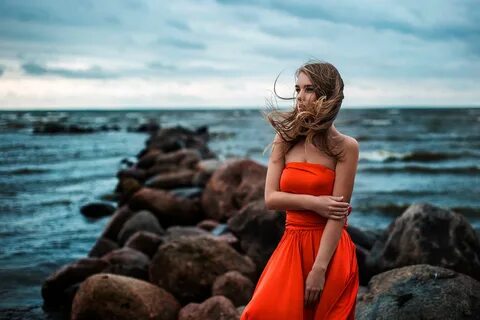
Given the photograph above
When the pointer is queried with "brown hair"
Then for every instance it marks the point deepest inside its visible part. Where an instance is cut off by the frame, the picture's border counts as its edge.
(314, 120)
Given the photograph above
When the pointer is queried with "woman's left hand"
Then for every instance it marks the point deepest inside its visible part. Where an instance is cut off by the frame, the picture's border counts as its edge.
(314, 286)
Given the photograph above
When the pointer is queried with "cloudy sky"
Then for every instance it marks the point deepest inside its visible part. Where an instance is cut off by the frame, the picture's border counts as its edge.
(139, 53)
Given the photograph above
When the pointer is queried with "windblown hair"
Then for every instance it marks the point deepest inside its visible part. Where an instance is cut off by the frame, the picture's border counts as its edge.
(313, 121)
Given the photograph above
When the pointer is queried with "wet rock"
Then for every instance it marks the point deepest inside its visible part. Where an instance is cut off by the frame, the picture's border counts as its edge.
(102, 247)
(176, 138)
(148, 158)
(114, 297)
(145, 242)
(427, 234)
(420, 292)
(235, 184)
(126, 188)
(169, 209)
(135, 173)
(171, 180)
(127, 262)
(54, 287)
(140, 221)
(235, 286)
(188, 266)
(214, 308)
(259, 231)
(117, 221)
(97, 209)
(51, 127)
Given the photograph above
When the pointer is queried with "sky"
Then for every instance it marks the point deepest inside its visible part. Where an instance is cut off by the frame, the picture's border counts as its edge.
(170, 54)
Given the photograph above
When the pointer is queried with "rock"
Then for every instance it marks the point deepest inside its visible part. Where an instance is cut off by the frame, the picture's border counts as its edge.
(126, 188)
(187, 192)
(362, 238)
(235, 286)
(183, 158)
(175, 232)
(54, 287)
(204, 171)
(188, 266)
(128, 262)
(135, 173)
(175, 138)
(207, 224)
(178, 179)
(214, 308)
(427, 234)
(148, 159)
(51, 127)
(113, 297)
(102, 247)
(149, 127)
(97, 209)
(363, 271)
(169, 209)
(117, 221)
(145, 242)
(420, 292)
(140, 221)
(259, 231)
(235, 184)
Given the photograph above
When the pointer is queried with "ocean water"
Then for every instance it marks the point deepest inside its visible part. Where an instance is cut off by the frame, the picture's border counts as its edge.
(406, 156)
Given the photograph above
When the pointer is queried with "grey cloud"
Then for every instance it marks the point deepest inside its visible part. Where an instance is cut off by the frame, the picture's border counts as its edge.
(91, 73)
(2, 70)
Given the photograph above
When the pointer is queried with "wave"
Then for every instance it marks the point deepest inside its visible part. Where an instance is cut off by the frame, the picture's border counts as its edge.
(422, 169)
(421, 156)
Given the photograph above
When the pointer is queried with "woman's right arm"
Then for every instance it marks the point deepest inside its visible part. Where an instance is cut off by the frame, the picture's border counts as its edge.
(275, 199)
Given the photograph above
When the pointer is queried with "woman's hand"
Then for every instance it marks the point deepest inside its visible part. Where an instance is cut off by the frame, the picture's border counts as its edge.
(314, 286)
(330, 207)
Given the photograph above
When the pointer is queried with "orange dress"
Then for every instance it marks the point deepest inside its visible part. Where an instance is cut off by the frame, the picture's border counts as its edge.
(279, 293)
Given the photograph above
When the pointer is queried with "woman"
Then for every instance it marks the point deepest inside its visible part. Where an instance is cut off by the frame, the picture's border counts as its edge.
(313, 272)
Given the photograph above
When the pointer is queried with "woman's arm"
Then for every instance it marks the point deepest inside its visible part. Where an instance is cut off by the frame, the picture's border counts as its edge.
(344, 180)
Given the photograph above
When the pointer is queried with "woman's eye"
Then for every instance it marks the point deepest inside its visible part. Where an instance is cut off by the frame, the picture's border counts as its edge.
(309, 89)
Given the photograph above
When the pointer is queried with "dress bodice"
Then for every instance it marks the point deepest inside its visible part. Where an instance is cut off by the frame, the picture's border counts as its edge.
(306, 178)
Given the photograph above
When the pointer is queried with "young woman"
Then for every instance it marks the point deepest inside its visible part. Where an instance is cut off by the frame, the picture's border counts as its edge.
(313, 272)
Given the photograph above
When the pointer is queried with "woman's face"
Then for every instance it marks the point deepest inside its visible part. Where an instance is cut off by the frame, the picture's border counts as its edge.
(304, 90)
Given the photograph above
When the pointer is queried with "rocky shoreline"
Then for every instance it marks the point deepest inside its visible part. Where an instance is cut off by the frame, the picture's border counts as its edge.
(190, 236)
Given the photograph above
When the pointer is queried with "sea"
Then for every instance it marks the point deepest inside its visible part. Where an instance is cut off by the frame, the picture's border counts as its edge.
(407, 155)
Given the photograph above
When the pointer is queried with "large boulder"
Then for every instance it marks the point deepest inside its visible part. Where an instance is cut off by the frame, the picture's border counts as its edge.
(141, 221)
(235, 184)
(127, 262)
(259, 231)
(188, 266)
(145, 242)
(101, 247)
(113, 297)
(116, 222)
(420, 292)
(97, 209)
(55, 286)
(170, 180)
(235, 286)
(427, 234)
(214, 308)
(168, 208)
